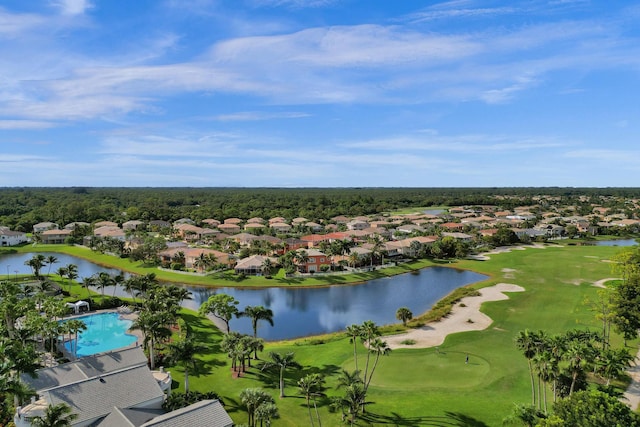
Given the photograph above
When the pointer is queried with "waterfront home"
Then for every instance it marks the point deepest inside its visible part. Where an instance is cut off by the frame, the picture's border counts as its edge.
(12, 238)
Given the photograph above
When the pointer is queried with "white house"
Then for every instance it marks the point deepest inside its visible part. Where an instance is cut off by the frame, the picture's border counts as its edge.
(12, 238)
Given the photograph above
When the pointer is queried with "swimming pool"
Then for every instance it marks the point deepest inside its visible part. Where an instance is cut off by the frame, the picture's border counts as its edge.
(105, 331)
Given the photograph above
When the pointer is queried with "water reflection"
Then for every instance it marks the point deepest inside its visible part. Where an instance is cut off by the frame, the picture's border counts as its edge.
(310, 311)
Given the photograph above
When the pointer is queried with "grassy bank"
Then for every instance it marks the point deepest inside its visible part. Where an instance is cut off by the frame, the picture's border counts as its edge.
(224, 280)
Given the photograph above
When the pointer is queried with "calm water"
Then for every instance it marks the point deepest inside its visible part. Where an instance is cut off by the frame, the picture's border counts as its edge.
(105, 331)
(619, 242)
(15, 262)
(310, 311)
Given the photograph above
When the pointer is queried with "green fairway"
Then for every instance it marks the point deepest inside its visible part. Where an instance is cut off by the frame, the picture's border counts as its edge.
(428, 387)
(433, 388)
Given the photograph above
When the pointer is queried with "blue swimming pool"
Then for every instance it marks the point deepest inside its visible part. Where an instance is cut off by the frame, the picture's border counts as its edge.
(105, 331)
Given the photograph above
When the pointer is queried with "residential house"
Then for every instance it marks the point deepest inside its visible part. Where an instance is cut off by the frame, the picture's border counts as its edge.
(55, 236)
(133, 224)
(105, 224)
(192, 257)
(314, 261)
(357, 224)
(236, 221)
(229, 228)
(76, 225)
(313, 226)
(252, 265)
(93, 386)
(12, 238)
(110, 231)
(44, 226)
(280, 227)
(206, 413)
(210, 222)
(459, 236)
(158, 224)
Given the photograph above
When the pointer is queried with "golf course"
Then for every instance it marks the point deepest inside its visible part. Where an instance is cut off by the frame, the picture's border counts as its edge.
(434, 386)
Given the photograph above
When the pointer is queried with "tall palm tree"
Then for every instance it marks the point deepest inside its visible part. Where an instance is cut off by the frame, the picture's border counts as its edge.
(59, 415)
(369, 331)
(380, 348)
(612, 363)
(183, 352)
(526, 341)
(282, 362)
(310, 386)
(257, 313)
(50, 260)
(75, 326)
(266, 267)
(153, 325)
(575, 357)
(354, 332)
(103, 280)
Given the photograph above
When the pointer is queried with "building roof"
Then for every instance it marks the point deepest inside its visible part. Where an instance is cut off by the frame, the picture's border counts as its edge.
(95, 397)
(206, 413)
(85, 367)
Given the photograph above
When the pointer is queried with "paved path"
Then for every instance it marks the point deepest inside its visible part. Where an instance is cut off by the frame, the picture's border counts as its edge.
(632, 395)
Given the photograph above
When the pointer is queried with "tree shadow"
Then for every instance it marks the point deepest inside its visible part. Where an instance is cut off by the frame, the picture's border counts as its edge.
(451, 419)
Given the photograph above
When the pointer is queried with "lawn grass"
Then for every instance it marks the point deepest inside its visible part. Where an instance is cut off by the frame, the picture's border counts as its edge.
(435, 386)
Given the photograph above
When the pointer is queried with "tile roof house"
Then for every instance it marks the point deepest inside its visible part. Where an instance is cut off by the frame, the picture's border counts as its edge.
(93, 386)
(55, 236)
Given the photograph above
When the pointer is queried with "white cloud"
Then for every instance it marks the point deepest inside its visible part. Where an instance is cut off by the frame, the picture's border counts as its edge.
(72, 7)
(259, 115)
(25, 124)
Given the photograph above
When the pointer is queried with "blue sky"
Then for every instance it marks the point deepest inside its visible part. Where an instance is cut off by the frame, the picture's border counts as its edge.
(319, 93)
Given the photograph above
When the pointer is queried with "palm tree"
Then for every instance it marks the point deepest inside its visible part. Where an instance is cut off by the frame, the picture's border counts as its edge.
(62, 272)
(575, 357)
(153, 325)
(59, 415)
(75, 326)
(404, 314)
(266, 267)
(301, 258)
(526, 341)
(377, 248)
(347, 378)
(354, 259)
(36, 263)
(310, 386)
(282, 362)
(257, 313)
(50, 260)
(354, 332)
(614, 362)
(252, 398)
(355, 398)
(183, 352)
(369, 332)
(103, 280)
(265, 412)
(378, 347)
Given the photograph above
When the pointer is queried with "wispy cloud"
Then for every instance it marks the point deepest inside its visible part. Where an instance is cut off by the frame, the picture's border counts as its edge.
(25, 124)
(258, 115)
(72, 7)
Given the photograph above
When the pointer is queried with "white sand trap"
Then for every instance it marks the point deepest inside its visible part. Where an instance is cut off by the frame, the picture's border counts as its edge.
(600, 283)
(434, 333)
(503, 249)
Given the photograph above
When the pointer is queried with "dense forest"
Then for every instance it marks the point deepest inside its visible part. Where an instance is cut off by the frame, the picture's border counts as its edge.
(20, 207)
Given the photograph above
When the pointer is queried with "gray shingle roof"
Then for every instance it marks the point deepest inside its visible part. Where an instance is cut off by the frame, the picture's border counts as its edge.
(207, 413)
(96, 397)
(86, 367)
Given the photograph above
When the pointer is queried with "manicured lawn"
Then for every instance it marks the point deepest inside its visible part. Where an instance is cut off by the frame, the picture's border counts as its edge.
(425, 387)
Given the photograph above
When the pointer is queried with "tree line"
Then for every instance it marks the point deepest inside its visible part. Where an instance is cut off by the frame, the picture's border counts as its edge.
(21, 208)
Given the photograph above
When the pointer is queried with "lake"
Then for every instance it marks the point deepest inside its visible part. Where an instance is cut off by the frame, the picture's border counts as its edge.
(309, 311)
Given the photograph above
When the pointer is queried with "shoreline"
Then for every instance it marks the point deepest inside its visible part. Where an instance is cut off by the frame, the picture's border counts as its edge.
(465, 316)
